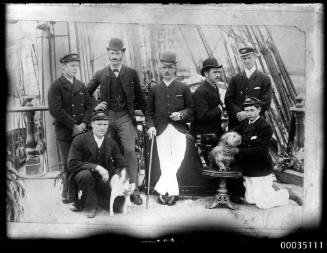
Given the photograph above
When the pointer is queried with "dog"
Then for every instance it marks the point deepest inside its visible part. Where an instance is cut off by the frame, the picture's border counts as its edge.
(218, 154)
(120, 186)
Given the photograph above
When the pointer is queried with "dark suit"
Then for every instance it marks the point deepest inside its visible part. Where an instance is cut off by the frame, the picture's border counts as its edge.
(240, 87)
(84, 156)
(69, 104)
(122, 123)
(130, 84)
(163, 101)
(207, 113)
(253, 157)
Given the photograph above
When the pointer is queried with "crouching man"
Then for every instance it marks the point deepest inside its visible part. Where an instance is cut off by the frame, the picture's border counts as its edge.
(91, 157)
(254, 159)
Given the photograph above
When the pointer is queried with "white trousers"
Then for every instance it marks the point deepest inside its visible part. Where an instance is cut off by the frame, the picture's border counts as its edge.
(259, 191)
(171, 145)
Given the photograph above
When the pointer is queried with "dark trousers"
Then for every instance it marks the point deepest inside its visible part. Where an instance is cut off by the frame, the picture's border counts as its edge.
(94, 191)
(122, 130)
(64, 147)
(236, 188)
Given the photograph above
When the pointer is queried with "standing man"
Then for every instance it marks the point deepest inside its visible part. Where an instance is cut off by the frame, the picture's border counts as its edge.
(120, 90)
(71, 106)
(248, 83)
(170, 106)
(90, 161)
(208, 105)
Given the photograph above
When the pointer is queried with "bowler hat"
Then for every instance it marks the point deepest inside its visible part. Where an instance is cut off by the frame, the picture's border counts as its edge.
(168, 57)
(210, 63)
(249, 101)
(116, 44)
(69, 58)
(247, 50)
(99, 115)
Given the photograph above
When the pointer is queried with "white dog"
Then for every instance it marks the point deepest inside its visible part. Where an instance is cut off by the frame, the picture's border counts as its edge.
(120, 186)
(218, 154)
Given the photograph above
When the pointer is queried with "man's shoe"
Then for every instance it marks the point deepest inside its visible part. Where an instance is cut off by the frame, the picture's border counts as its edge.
(162, 199)
(171, 200)
(136, 199)
(74, 207)
(90, 213)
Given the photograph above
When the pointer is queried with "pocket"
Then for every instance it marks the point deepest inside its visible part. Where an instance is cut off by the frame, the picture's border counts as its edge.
(179, 102)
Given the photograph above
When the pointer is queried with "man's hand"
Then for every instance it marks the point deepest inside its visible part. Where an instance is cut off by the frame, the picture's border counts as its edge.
(175, 116)
(101, 106)
(77, 129)
(241, 115)
(103, 173)
(152, 132)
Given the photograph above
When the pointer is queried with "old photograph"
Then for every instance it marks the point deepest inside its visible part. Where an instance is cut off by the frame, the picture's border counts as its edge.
(149, 120)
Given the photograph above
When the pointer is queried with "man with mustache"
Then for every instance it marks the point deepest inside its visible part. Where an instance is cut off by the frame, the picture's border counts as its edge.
(170, 106)
(120, 90)
(248, 83)
(71, 106)
(208, 105)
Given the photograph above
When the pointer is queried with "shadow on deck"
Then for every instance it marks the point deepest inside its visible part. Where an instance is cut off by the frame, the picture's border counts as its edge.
(46, 217)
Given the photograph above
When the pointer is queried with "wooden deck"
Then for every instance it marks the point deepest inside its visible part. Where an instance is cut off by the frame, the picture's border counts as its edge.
(46, 217)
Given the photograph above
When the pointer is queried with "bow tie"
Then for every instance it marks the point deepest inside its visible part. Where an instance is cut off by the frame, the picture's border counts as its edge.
(115, 70)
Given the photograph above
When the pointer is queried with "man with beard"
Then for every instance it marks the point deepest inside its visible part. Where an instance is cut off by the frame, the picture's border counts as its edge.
(120, 89)
(170, 106)
(71, 106)
(208, 105)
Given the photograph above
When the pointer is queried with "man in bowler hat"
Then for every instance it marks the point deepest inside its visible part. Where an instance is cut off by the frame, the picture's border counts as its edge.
(92, 158)
(208, 105)
(120, 91)
(170, 106)
(71, 106)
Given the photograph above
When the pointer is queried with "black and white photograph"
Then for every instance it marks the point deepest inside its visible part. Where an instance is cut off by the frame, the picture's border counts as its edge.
(148, 121)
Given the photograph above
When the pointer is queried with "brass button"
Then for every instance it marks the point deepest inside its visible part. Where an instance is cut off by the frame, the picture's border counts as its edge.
(74, 115)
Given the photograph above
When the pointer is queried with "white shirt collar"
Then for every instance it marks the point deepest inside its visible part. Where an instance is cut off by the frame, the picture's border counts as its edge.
(98, 140)
(167, 84)
(249, 72)
(250, 122)
(69, 79)
(119, 68)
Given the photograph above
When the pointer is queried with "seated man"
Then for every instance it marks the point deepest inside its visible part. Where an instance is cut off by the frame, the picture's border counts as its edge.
(89, 162)
(254, 159)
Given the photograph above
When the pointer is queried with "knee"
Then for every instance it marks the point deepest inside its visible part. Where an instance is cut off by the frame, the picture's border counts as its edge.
(84, 178)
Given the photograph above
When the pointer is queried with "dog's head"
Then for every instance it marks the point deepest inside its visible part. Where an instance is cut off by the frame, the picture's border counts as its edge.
(123, 174)
(232, 139)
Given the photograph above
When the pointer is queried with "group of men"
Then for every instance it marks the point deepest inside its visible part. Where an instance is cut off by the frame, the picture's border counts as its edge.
(90, 157)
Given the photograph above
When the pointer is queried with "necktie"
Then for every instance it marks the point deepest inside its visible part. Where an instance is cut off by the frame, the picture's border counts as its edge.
(115, 70)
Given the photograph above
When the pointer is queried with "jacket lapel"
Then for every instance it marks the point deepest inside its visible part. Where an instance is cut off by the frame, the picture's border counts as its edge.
(77, 86)
(124, 80)
(65, 83)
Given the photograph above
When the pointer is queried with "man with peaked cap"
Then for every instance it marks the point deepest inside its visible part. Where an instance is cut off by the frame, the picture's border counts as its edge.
(120, 91)
(208, 105)
(248, 83)
(92, 158)
(170, 106)
(71, 106)
(254, 160)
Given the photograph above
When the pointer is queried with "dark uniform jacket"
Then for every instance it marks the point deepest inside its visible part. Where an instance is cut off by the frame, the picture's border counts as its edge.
(207, 113)
(130, 85)
(253, 157)
(240, 87)
(163, 101)
(85, 155)
(69, 104)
